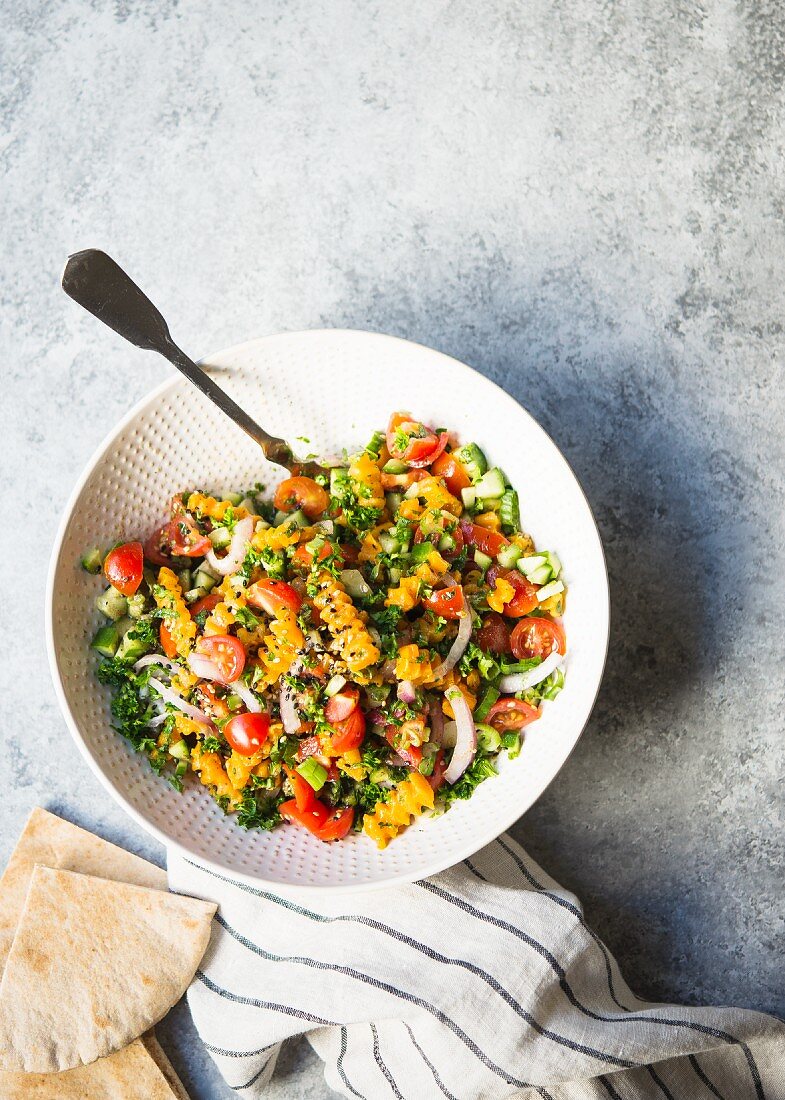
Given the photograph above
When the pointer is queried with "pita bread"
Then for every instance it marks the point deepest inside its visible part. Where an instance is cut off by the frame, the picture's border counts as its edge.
(52, 842)
(94, 963)
(132, 1073)
(157, 1053)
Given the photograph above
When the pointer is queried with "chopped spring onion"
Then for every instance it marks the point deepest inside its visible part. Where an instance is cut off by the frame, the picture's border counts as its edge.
(375, 444)
(488, 739)
(511, 741)
(490, 696)
(313, 773)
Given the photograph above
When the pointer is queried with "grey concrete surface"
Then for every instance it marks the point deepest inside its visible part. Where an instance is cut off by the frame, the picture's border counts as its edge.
(583, 200)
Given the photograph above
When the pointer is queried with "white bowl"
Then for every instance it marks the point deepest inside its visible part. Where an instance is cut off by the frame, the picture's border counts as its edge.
(334, 387)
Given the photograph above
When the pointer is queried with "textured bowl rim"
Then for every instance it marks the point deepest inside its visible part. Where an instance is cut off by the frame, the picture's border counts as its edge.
(431, 867)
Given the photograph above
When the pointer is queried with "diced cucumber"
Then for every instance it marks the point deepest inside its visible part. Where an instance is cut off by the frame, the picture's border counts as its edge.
(136, 605)
(447, 543)
(180, 751)
(553, 562)
(249, 504)
(389, 543)
(421, 551)
(395, 574)
(205, 581)
(185, 579)
(395, 467)
(280, 517)
(548, 590)
(112, 603)
(131, 649)
(508, 556)
(339, 481)
(220, 537)
(483, 560)
(491, 485)
(473, 459)
(394, 502)
(512, 743)
(299, 519)
(106, 640)
(375, 444)
(334, 685)
(468, 496)
(488, 504)
(488, 739)
(92, 561)
(233, 498)
(425, 766)
(485, 704)
(380, 775)
(355, 583)
(509, 512)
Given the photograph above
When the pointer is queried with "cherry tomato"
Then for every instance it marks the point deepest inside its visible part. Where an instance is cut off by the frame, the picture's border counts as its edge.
(412, 754)
(349, 733)
(419, 456)
(123, 567)
(207, 603)
(185, 538)
(341, 705)
(410, 441)
(447, 602)
(436, 778)
(304, 794)
(167, 641)
(510, 713)
(271, 596)
(494, 635)
(227, 653)
(158, 548)
(302, 493)
(312, 818)
(524, 598)
(452, 470)
(247, 732)
(536, 637)
(337, 825)
(487, 542)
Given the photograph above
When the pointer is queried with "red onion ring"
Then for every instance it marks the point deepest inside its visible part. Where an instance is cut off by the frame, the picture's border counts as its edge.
(156, 659)
(239, 687)
(522, 681)
(235, 555)
(458, 646)
(176, 700)
(466, 736)
(405, 691)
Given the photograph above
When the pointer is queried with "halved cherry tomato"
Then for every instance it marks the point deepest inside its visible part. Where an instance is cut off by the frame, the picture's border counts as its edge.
(436, 778)
(167, 641)
(337, 825)
(158, 548)
(304, 794)
(487, 542)
(312, 818)
(303, 493)
(271, 596)
(510, 713)
(185, 538)
(524, 599)
(536, 637)
(207, 603)
(447, 602)
(453, 471)
(348, 735)
(494, 635)
(247, 732)
(226, 652)
(341, 705)
(420, 457)
(123, 567)
(412, 754)
(410, 441)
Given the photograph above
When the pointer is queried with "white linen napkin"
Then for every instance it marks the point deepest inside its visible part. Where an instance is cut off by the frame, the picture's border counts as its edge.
(481, 983)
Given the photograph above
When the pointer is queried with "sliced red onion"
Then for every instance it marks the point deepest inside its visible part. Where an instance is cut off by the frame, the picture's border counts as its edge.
(235, 555)
(176, 700)
(458, 646)
(289, 715)
(466, 736)
(159, 720)
(239, 687)
(406, 691)
(156, 659)
(437, 721)
(203, 667)
(522, 681)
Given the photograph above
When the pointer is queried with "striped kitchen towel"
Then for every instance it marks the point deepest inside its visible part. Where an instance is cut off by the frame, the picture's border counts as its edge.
(483, 982)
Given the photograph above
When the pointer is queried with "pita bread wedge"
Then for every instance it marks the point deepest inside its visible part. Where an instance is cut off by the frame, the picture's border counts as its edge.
(93, 965)
(157, 1053)
(132, 1073)
(52, 842)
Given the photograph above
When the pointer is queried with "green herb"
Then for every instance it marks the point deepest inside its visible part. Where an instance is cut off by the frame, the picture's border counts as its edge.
(246, 618)
(482, 768)
(211, 744)
(258, 812)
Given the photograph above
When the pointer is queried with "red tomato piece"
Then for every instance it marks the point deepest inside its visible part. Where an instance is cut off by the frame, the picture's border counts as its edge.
(158, 548)
(510, 713)
(123, 567)
(309, 746)
(303, 493)
(271, 596)
(487, 542)
(303, 556)
(420, 455)
(349, 733)
(494, 635)
(452, 470)
(447, 602)
(304, 794)
(247, 732)
(537, 637)
(341, 705)
(227, 653)
(207, 603)
(311, 818)
(410, 441)
(185, 538)
(166, 639)
(412, 754)
(337, 825)
(524, 598)
(436, 778)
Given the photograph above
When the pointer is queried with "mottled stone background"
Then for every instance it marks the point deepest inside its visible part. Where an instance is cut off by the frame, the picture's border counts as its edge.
(584, 201)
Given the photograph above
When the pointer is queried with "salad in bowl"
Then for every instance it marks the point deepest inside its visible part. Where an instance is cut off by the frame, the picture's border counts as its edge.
(346, 656)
